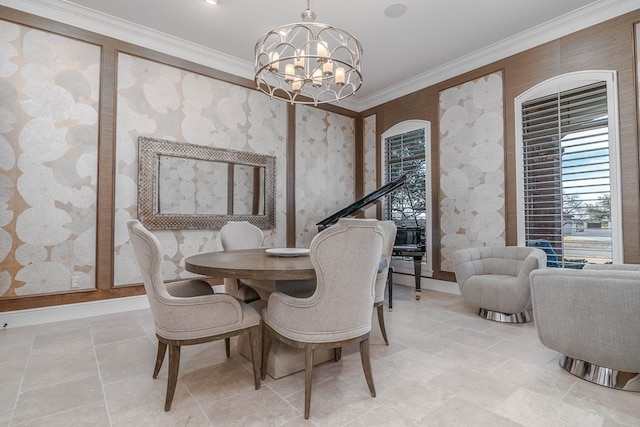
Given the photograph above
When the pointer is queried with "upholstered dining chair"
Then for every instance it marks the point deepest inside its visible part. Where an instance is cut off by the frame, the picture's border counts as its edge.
(236, 235)
(185, 313)
(345, 258)
(389, 230)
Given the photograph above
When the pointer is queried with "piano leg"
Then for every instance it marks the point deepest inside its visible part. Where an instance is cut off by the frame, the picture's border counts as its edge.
(417, 271)
(390, 287)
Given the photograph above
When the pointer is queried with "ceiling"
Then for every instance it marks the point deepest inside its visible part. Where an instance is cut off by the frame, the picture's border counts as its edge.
(398, 52)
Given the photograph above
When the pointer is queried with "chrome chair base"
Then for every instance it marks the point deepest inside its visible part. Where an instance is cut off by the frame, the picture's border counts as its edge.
(523, 317)
(607, 377)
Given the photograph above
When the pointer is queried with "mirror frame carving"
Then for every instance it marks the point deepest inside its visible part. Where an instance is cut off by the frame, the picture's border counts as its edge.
(149, 152)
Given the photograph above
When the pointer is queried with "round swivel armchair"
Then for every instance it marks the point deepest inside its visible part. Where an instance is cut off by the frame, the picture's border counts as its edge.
(496, 280)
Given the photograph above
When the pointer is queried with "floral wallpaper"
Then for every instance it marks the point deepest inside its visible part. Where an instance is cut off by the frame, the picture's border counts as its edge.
(324, 168)
(49, 94)
(472, 160)
(165, 102)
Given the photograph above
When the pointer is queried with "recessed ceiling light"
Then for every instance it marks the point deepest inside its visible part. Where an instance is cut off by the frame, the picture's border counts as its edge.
(395, 10)
(211, 1)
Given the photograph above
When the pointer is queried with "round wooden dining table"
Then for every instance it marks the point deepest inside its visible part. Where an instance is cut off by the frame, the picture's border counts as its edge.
(266, 273)
(251, 264)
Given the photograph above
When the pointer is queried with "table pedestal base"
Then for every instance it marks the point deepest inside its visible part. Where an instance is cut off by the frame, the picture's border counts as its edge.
(283, 359)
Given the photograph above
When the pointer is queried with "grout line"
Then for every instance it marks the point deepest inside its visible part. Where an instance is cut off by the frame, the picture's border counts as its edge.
(24, 373)
(104, 394)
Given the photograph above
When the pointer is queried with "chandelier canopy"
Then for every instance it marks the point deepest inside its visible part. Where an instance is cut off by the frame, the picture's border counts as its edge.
(308, 62)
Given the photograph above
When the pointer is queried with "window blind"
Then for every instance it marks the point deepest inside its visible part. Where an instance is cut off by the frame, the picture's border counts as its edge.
(405, 153)
(566, 167)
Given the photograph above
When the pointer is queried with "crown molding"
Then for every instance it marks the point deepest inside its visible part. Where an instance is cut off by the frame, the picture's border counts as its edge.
(579, 19)
(85, 18)
(90, 20)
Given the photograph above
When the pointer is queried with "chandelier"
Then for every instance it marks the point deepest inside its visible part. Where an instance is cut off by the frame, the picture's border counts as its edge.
(308, 62)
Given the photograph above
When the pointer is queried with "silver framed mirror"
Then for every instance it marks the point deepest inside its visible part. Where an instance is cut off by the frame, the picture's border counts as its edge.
(188, 186)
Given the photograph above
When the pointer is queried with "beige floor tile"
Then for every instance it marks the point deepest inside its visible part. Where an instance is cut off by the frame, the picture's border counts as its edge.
(413, 398)
(49, 368)
(286, 386)
(196, 357)
(108, 333)
(585, 394)
(8, 397)
(41, 402)
(14, 336)
(537, 410)
(383, 416)
(251, 408)
(184, 412)
(15, 352)
(125, 348)
(218, 382)
(12, 371)
(472, 358)
(481, 390)
(336, 402)
(94, 415)
(548, 381)
(458, 412)
(471, 338)
(5, 420)
(115, 370)
(67, 332)
(445, 366)
(534, 354)
(139, 391)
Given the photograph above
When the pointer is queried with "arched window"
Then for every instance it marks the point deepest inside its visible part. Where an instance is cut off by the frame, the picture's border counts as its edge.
(407, 149)
(567, 169)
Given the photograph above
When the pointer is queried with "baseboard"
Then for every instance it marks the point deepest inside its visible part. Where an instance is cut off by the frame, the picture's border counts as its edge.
(426, 283)
(37, 316)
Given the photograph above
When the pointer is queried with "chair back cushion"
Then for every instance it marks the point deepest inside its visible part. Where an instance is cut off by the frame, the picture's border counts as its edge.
(617, 267)
(345, 257)
(495, 260)
(236, 235)
(148, 253)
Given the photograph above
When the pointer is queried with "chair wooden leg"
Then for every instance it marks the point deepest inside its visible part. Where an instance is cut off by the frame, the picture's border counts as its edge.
(255, 335)
(308, 375)
(174, 366)
(162, 349)
(366, 365)
(380, 310)
(337, 354)
(227, 346)
(266, 347)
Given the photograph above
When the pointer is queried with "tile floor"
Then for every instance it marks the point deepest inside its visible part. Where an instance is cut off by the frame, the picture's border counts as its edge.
(444, 367)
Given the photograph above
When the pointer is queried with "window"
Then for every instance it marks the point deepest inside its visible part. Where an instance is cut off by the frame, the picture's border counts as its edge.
(404, 154)
(407, 151)
(568, 186)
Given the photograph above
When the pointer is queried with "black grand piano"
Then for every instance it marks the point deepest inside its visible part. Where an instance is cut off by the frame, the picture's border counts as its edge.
(410, 241)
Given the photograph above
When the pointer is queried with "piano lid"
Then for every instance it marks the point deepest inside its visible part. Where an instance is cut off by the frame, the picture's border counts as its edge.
(365, 201)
